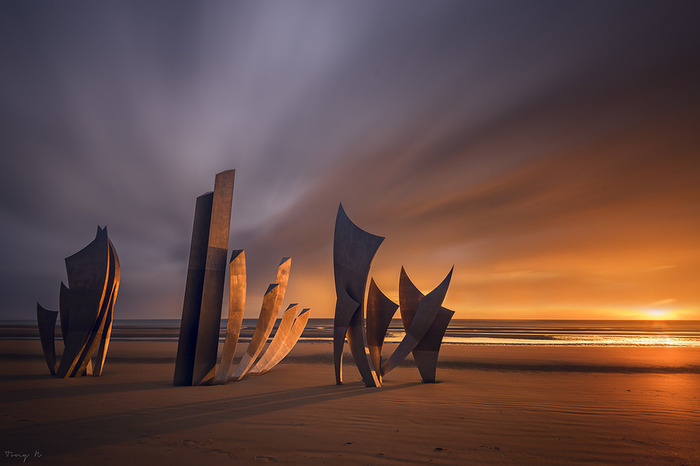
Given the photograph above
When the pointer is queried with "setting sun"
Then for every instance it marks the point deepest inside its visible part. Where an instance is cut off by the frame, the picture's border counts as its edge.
(658, 314)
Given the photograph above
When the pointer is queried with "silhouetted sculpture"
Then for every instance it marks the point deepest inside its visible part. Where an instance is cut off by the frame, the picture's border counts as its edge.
(187, 343)
(423, 317)
(47, 328)
(86, 310)
(418, 323)
(380, 311)
(201, 311)
(426, 351)
(353, 251)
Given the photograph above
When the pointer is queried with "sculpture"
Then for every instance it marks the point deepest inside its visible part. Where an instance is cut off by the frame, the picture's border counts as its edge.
(424, 319)
(380, 311)
(214, 276)
(353, 251)
(201, 311)
(46, 320)
(236, 306)
(255, 361)
(284, 341)
(196, 362)
(268, 314)
(86, 310)
(283, 331)
(417, 322)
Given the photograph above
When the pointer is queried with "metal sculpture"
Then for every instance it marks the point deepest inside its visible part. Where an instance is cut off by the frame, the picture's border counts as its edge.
(283, 329)
(86, 310)
(214, 276)
(419, 323)
(280, 347)
(196, 362)
(426, 351)
(272, 302)
(353, 251)
(236, 305)
(46, 320)
(201, 310)
(380, 311)
(263, 328)
(424, 319)
(189, 324)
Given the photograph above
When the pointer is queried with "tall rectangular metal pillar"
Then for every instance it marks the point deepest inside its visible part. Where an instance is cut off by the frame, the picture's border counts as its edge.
(189, 324)
(214, 277)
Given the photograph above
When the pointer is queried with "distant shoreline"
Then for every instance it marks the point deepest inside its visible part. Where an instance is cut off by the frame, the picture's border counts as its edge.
(468, 332)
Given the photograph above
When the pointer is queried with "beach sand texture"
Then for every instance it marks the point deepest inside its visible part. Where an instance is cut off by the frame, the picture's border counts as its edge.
(497, 405)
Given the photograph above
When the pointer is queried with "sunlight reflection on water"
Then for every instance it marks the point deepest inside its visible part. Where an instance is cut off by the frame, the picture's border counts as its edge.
(566, 340)
(482, 332)
(580, 341)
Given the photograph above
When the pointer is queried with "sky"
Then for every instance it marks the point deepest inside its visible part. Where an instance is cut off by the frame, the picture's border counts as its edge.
(546, 149)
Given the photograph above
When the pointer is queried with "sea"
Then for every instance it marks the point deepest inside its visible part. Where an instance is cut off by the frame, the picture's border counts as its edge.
(484, 332)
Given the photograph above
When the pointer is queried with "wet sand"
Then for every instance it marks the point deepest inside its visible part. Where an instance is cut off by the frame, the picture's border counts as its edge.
(520, 405)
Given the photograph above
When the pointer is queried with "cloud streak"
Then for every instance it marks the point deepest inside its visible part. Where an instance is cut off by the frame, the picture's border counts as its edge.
(535, 146)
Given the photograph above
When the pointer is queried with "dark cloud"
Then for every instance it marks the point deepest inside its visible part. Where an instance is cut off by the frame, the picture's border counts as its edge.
(547, 149)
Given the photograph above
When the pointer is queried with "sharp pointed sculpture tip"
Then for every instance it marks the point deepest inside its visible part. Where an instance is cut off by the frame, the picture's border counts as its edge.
(235, 253)
(341, 210)
(448, 278)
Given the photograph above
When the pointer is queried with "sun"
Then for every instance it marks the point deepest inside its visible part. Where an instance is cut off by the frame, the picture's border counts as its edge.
(658, 313)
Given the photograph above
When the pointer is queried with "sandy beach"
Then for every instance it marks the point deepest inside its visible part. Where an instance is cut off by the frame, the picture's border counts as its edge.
(520, 405)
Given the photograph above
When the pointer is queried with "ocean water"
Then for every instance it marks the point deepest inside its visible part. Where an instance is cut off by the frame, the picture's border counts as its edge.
(679, 333)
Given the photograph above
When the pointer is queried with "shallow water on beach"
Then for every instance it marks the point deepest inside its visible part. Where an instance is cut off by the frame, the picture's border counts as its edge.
(575, 332)
(484, 332)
